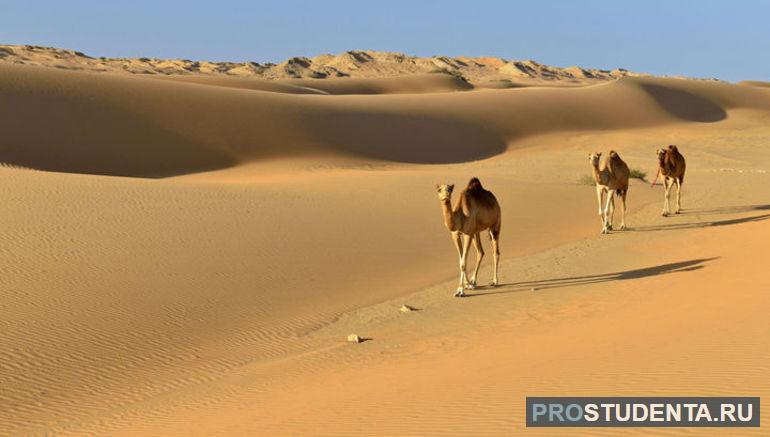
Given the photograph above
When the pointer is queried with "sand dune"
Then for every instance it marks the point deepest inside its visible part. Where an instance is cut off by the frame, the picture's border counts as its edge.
(354, 63)
(754, 83)
(212, 291)
(411, 84)
(153, 128)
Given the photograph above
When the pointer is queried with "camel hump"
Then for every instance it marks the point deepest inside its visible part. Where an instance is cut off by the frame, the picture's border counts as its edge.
(614, 160)
(674, 151)
(474, 184)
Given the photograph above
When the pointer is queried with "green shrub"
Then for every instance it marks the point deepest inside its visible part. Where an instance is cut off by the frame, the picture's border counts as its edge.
(586, 179)
(638, 174)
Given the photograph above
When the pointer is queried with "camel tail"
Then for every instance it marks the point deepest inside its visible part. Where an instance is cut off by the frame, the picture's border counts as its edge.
(681, 179)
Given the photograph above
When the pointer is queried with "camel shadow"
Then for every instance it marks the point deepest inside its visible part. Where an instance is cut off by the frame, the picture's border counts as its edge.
(705, 224)
(726, 209)
(545, 284)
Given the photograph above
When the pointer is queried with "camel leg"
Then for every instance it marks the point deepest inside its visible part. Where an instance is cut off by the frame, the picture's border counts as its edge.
(623, 209)
(678, 196)
(479, 256)
(466, 244)
(599, 192)
(495, 236)
(607, 217)
(666, 196)
(611, 213)
(466, 241)
(600, 200)
(457, 240)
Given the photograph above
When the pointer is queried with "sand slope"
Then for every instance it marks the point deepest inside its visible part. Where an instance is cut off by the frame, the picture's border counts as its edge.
(153, 128)
(211, 292)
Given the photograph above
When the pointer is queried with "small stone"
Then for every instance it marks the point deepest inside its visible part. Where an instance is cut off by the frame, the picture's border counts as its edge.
(406, 308)
(353, 338)
(534, 288)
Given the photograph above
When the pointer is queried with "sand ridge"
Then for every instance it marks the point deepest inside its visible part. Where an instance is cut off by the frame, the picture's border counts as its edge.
(354, 63)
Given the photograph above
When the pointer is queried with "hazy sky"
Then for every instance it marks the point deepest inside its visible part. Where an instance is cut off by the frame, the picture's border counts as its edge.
(705, 38)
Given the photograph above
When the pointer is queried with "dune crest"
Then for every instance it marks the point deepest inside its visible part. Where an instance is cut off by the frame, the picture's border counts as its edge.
(353, 63)
(756, 83)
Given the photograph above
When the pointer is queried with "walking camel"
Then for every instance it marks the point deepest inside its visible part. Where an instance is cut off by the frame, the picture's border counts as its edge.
(672, 166)
(476, 211)
(611, 177)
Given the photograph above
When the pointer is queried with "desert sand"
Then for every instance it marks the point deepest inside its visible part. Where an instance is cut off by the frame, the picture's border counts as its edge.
(187, 254)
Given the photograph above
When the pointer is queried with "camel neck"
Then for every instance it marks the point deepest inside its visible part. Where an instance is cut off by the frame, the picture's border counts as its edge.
(664, 162)
(597, 174)
(446, 209)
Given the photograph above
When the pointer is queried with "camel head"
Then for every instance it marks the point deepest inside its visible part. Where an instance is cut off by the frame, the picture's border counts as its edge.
(594, 158)
(444, 192)
(661, 154)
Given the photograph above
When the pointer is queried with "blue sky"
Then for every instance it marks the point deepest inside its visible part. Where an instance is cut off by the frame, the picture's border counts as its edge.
(706, 38)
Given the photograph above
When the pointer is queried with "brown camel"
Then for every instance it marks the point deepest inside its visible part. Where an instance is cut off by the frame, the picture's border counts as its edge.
(611, 177)
(476, 211)
(672, 166)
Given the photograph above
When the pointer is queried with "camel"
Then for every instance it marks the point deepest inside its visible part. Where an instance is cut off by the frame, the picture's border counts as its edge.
(476, 211)
(611, 177)
(672, 166)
